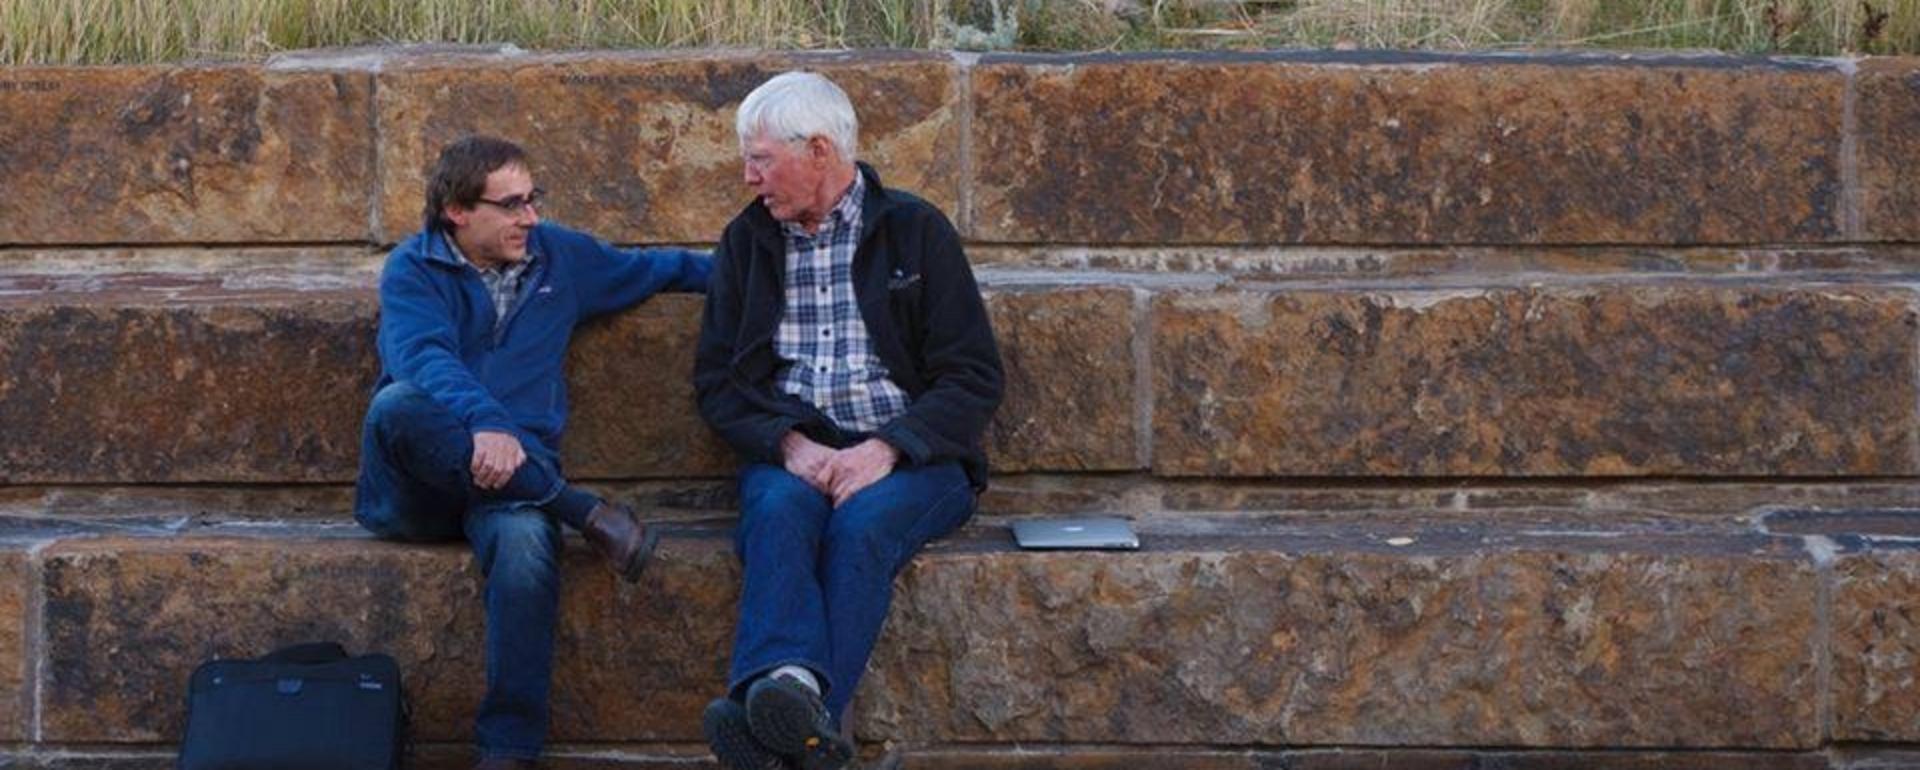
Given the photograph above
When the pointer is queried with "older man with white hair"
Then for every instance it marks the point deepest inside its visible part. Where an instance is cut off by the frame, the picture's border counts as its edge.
(846, 354)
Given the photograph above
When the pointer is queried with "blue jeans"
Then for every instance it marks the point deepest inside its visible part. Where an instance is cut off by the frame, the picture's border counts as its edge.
(819, 580)
(416, 485)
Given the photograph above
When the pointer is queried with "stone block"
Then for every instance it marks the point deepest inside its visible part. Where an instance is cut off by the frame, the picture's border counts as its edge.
(213, 154)
(121, 389)
(16, 652)
(1399, 148)
(1876, 646)
(1036, 758)
(1070, 395)
(1242, 636)
(641, 148)
(1244, 640)
(1591, 381)
(632, 662)
(158, 379)
(1886, 109)
(630, 380)
(1039, 758)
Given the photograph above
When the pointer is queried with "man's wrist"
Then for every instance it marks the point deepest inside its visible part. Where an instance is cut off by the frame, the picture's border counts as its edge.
(891, 452)
(794, 442)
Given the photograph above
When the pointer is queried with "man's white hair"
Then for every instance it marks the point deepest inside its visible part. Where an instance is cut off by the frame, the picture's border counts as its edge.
(798, 105)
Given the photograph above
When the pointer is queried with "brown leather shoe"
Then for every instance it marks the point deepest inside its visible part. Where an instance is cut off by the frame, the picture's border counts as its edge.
(620, 536)
(503, 763)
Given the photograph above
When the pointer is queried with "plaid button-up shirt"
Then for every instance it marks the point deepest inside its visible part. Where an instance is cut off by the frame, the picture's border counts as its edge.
(828, 357)
(503, 282)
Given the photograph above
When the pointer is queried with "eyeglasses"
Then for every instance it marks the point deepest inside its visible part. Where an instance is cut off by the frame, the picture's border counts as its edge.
(515, 204)
(758, 161)
(764, 159)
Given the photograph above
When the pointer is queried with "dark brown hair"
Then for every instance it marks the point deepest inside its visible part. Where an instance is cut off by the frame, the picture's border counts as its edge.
(460, 176)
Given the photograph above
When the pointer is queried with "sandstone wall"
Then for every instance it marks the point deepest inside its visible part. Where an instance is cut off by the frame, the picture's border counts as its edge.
(1481, 410)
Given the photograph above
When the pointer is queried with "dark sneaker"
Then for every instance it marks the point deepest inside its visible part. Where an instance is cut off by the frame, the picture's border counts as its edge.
(619, 535)
(787, 716)
(725, 724)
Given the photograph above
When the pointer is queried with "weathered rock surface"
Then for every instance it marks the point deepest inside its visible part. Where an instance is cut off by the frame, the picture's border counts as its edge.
(15, 652)
(214, 154)
(1887, 108)
(1876, 646)
(1070, 395)
(632, 662)
(1404, 149)
(1320, 636)
(641, 148)
(127, 390)
(1600, 381)
(630, 378)
(1356, 759)
(1307, 642)
(217, 384)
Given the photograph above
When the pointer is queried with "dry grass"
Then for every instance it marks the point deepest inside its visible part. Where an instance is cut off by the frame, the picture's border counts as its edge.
(123, 31)
(1818, 27)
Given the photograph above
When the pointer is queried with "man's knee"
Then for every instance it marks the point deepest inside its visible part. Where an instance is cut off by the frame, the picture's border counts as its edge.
(398, 404)
(777, 506)
(894, 521)
(516, 546)
(869, 535)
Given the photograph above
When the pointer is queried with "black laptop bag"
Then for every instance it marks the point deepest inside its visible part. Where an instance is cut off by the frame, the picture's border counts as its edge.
(305, 707)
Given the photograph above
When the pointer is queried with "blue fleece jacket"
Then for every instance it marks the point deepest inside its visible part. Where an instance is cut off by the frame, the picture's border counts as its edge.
(437, 326)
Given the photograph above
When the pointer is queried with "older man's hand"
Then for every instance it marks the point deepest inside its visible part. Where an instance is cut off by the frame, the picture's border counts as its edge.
(858, 467)
(496, 455)
(807, 459)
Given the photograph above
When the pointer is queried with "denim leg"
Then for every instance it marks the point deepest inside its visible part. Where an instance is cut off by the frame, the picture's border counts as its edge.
(869, 539)
(416, 476)
(783, 619)
(518, 550)
(413, 467)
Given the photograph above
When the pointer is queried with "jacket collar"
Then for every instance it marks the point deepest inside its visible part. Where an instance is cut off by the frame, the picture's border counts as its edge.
(439, 249)
(873, 206)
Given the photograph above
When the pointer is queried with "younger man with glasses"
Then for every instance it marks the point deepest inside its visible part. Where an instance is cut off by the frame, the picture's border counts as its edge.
(463, 433)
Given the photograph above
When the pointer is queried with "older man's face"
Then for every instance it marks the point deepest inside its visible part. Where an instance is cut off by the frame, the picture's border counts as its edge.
(791, 177)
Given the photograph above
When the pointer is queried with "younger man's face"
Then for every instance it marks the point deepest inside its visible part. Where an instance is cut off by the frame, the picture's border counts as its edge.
(494, 231)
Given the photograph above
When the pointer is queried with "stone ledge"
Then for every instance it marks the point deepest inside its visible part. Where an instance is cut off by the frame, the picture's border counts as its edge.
(1429, 149)
(1256, 636)
(1663, 377)
(1887, 107)
(1280, 148)
(1674, 379)
(694, 757)
(210, 154)
(642, 147)
(145, 384)
(1864, 507)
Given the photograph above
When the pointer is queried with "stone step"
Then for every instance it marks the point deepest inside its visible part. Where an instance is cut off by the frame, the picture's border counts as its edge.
(692, 757)
(1742, 505)
(188, 378)
(1168, 148)
(1656, 634)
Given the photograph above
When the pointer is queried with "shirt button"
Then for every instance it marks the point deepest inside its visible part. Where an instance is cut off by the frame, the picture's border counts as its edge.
(826, 332)
(823, 369)
(823, 290)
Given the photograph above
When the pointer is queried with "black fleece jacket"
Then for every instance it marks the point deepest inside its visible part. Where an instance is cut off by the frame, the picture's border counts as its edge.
(922, 310)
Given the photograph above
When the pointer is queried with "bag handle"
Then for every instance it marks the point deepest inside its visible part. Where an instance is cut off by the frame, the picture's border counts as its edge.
(311, 652)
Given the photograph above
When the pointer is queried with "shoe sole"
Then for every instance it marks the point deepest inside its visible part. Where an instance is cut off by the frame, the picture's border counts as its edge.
(725, 725)
(787, 722)
(637, 563)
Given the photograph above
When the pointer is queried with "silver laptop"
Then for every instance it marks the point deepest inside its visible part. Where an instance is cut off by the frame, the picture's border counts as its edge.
(1088, 532)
